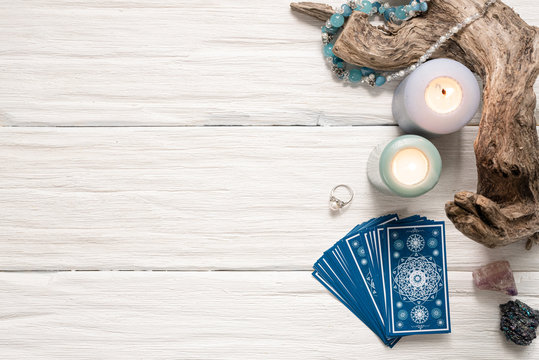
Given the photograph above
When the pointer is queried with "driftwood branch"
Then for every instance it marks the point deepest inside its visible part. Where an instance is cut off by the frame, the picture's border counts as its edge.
(504, 51)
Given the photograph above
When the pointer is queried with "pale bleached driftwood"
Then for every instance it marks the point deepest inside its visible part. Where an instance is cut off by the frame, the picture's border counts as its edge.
(503, 50)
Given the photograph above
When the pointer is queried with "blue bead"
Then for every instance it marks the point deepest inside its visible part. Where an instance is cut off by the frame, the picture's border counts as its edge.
(376, 5)
(423, 6)
(347, 11)
(382, 9)
(416, 7)
(388, 12)
(400, 13)
(365, 71)
(355, 75)
(340, 65)
(337, 60)
(366, 6)
(380, 80)
(330, 30)
(336, 20)
(328, 50)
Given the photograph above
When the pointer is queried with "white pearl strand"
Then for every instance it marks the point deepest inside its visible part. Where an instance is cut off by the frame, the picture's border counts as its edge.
(428, 54)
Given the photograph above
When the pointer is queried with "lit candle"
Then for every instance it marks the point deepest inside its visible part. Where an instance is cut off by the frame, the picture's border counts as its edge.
(439, 97)
(407, 166)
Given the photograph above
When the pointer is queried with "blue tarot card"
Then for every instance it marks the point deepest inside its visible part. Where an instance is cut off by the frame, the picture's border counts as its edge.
(415, 278)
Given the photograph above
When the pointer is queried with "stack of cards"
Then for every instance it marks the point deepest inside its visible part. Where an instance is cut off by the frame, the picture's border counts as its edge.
(391, 273)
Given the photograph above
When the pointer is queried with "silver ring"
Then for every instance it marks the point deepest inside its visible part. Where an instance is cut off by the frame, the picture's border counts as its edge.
(336, 203)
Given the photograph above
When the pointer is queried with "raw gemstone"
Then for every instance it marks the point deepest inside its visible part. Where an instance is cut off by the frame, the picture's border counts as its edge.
(496, 276)
(337, 20)
(519, 322)
(423, 6)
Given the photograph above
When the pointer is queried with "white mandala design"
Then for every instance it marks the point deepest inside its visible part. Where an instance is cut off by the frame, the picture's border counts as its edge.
(417, 279)
(419, 314)
(415, 243)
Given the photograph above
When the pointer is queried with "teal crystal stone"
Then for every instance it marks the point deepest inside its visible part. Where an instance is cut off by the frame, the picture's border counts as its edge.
(355, 75)
(423, 6)
(328, 50)
(416, 6)
(366, 7)
(336, 20)
(380, 80)
(400, 13)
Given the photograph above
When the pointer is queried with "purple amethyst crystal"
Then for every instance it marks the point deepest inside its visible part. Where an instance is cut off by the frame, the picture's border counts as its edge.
(496, 276)
(519, 322)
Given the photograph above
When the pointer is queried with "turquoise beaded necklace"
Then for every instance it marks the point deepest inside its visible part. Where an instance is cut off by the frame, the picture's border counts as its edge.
(395, 15)
(391, 14)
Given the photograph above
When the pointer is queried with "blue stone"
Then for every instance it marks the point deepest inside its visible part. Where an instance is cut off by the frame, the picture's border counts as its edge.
(382, 9)
(416, 7)
(330, 30)
(337, 60)
(365, 71)
(328, 50)
(376, 5)
(366, 6)
(355, 75)
(400, 13)
(336, 20)
(340, 65)
(423, 6)
(380, 80)
(388, 12)
(347, 11)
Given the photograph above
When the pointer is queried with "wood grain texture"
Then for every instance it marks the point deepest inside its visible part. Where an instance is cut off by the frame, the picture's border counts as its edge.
(200, 198)
(205, 198)
(176, 63)
(227, 315)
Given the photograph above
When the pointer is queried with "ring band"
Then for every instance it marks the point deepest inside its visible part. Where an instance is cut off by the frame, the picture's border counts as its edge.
(335, 203)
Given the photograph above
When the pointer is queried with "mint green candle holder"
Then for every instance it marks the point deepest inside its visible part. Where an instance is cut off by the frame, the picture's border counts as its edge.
(408, 166)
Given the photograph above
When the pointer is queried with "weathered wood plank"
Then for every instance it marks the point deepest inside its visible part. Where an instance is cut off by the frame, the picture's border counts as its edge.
(205, 198)
(168, 62)
(226, 315)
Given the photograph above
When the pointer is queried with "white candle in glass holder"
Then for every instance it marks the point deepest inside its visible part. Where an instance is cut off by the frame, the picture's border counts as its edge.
(407, 166)
(439, 97)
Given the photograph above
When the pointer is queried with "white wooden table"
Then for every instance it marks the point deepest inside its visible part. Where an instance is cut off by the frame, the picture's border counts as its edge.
(149, 209)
